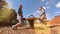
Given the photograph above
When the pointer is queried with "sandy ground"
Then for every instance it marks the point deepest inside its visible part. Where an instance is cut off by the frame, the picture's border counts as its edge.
(39, 29)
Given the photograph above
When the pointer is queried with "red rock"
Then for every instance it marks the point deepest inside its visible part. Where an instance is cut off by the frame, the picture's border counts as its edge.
(55, 20)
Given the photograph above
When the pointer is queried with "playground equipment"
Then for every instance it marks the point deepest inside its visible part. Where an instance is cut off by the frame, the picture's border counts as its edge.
(20, 19)
(42, 18)
(31, 18)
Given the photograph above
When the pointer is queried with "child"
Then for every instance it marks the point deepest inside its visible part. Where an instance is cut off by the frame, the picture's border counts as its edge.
(19, 17)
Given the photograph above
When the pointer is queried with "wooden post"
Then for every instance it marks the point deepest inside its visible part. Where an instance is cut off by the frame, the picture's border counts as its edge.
(31, 22)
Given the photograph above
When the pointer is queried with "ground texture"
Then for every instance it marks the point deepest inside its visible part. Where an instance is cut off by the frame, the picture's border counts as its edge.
(39, 29)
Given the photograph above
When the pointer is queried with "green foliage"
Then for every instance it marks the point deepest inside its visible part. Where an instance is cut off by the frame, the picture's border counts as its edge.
(7, 15)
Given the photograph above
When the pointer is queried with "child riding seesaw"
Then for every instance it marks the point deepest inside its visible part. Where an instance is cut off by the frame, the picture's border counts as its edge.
(19, 18)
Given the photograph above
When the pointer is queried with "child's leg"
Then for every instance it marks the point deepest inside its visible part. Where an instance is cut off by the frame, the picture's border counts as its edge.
(18, 24)
(15, 26)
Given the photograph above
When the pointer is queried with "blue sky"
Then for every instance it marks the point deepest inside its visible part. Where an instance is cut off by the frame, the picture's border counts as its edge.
(31, 7)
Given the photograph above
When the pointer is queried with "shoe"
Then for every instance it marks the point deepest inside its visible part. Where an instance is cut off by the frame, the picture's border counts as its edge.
(14, 27)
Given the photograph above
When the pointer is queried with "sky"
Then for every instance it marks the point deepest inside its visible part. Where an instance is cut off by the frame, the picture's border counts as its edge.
(31, 7)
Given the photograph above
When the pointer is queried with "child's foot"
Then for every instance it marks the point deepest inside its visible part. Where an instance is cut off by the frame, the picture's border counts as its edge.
(14, 27)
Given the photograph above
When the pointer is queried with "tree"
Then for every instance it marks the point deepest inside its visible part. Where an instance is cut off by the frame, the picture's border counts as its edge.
(7, 16)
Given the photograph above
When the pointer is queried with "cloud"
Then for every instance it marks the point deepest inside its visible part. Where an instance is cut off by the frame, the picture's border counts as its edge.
(37, 11)
(34, 13)
(28, 15)
(46, 3)
(48, 16)
(46, 7)
(57, 12)
(58, 5)
(37, 16)
(42, 0)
